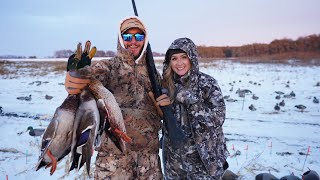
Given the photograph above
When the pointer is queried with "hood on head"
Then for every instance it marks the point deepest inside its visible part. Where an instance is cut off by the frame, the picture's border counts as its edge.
(133, 22)
(186, 45)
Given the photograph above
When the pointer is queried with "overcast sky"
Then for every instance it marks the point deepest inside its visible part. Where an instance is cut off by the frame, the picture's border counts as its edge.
(40, 27)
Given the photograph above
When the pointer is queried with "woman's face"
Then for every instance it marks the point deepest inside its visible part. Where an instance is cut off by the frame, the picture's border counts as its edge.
(180, 63)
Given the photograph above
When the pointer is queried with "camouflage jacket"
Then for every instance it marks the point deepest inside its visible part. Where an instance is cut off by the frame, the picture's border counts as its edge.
(129, 82)
(200, 109)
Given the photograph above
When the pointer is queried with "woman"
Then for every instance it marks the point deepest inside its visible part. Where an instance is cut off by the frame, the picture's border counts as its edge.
(200, 110)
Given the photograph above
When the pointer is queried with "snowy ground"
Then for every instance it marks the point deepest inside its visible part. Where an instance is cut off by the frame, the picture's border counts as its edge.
(269, 140)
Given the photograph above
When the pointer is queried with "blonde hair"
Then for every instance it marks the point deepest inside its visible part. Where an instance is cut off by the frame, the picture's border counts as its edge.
(168, 81)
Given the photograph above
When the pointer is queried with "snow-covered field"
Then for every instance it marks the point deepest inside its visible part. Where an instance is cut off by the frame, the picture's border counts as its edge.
(280, 142)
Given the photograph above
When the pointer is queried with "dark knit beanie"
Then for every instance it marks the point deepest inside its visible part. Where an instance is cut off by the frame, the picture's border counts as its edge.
(172, 52)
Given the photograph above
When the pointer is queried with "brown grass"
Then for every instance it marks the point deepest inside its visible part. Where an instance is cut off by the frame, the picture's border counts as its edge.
(14, 69)
(30, 68)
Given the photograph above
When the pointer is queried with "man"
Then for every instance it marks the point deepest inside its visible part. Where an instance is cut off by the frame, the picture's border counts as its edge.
(127, 77)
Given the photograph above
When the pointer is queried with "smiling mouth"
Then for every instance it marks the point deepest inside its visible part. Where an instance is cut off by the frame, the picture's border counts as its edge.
(133, 47)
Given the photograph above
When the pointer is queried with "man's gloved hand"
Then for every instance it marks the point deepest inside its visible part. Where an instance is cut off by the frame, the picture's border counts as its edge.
(81, 59)
(162, 100)
(74, 83)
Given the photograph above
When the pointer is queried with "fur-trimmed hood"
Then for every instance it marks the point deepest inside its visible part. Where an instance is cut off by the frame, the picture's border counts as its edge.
(188, 46)
(134, 21)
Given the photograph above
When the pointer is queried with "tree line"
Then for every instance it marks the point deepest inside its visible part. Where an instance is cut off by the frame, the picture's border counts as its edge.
(309, 44)
(99, 53)
(303, 47)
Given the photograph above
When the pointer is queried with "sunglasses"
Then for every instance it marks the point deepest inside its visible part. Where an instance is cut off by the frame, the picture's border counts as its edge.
(128, 37)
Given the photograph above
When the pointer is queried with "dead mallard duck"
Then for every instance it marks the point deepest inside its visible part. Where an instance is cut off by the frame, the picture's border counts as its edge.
(86, 127)
(56, 140)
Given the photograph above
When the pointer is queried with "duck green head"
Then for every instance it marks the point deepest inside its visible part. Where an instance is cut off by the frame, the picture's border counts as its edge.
(30, 128)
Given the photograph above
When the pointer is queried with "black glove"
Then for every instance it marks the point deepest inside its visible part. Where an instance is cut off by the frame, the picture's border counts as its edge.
(81, 59)
(74, 83)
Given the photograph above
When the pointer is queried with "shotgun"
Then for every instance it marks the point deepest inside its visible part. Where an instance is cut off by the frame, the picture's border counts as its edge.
(175, 134)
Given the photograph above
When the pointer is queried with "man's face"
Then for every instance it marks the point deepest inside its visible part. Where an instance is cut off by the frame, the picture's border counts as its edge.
(135, 46)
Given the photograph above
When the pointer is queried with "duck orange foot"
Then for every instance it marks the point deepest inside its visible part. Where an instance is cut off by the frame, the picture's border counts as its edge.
(122, 135)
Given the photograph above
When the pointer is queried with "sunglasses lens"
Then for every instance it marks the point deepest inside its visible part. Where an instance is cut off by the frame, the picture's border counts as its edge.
(127, 37)
(139, 37)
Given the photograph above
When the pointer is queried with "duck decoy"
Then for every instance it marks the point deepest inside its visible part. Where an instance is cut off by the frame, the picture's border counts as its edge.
(278, 97)
(252, 108)
(301, 107)
(231, 100)
(255, 97)
(48, 97)
(57, 138)
(265, 176)
(229, 175)
(287, 96)
(226, 97)
(279, 92)
(277, 107)
(292, 94)
(25, 98)
(310, 175)
(315, 100)
(282, 103)
(85, 129)
(290, 177)
(35, 131)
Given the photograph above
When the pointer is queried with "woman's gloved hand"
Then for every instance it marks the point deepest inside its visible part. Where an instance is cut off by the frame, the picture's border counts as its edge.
(162, 100)
(74, 83)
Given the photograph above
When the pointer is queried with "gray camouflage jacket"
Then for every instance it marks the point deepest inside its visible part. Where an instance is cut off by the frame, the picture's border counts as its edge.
(200, 109)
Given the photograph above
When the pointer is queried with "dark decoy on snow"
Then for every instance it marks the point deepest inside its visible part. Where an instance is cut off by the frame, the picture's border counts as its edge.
(282, 103)
(301, 107)
(226, 97)
(310, 175)
(252, 108)
(290, 177)
(255, 97)
(35, 131)
(277, 107)
(315, 100)
(48, 97)
(265, 176)
(229, 175)
(231, 100)
(26, 98)
(287, 96)
(292, 94)
(279, 92)
(277, 96)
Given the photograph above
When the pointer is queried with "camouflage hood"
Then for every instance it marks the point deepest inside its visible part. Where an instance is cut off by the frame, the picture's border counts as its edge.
(127, 23)
(188, 46)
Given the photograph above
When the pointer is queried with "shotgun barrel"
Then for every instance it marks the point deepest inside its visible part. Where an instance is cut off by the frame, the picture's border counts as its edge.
(175, 133)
